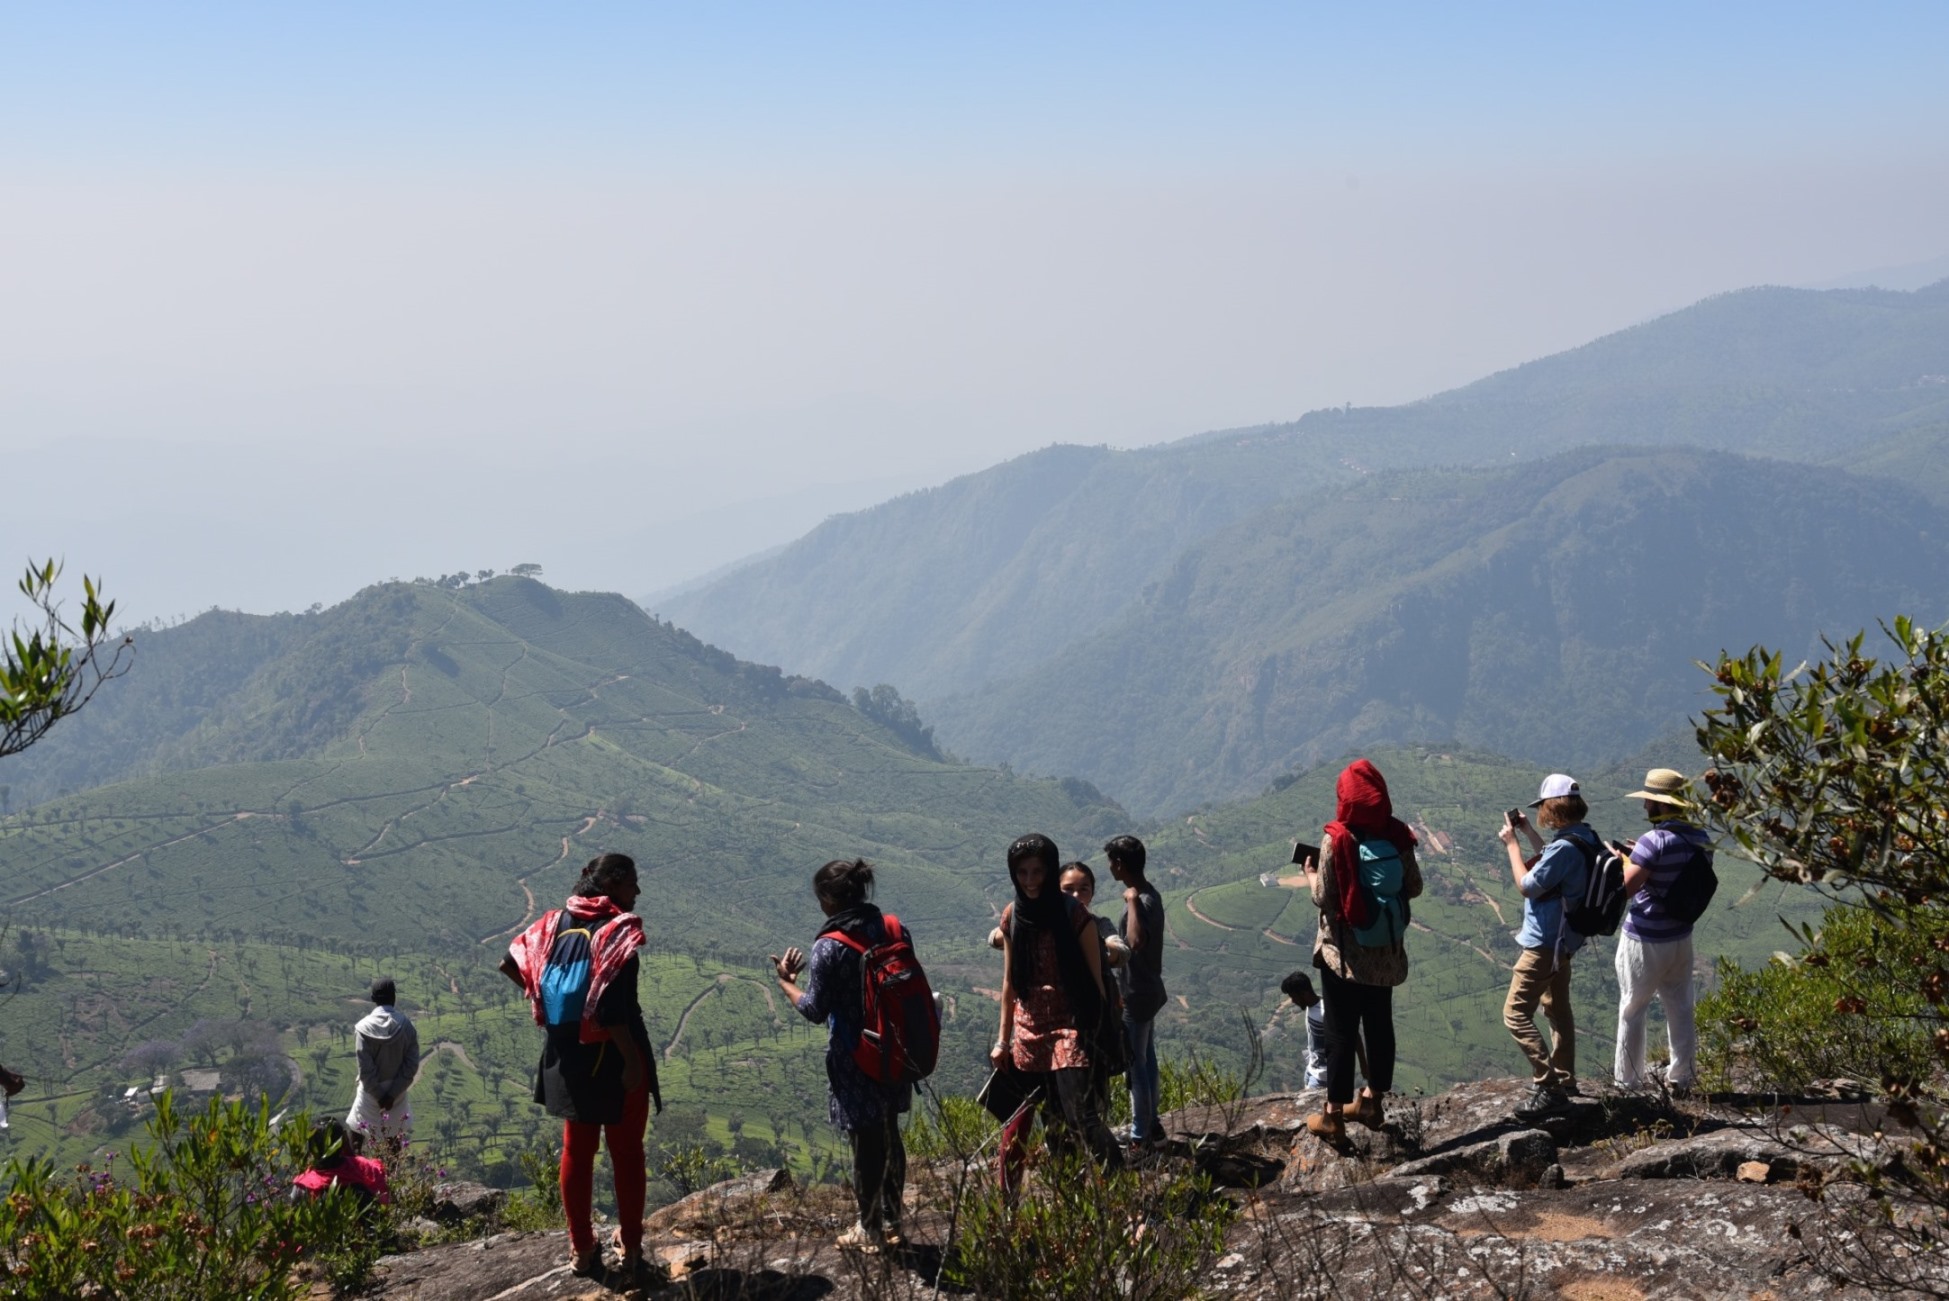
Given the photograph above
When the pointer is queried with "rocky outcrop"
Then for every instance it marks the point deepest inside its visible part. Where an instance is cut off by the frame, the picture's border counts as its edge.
(1615, 1197)
(459, 1201)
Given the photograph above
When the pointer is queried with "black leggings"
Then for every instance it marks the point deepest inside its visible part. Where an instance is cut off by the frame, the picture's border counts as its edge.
(1357, 1013)
(1070, 1112)
(880, 1171)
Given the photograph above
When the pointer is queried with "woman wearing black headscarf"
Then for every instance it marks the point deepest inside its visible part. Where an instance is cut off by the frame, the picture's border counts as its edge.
(1052, 999)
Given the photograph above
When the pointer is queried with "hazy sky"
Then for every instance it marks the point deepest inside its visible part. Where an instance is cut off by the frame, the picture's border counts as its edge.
(295, 298)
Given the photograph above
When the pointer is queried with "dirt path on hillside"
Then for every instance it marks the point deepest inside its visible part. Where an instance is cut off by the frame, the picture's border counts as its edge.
(1486, 956)
(126, 860)
(1277, 938)
(1191, 906)
(683, 1019)
(527, 891)
(449, 1046)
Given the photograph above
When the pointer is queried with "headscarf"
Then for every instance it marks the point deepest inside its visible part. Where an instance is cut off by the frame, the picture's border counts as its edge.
(1362, 808)
(862, 921)
(614, 943)
(1051, 913)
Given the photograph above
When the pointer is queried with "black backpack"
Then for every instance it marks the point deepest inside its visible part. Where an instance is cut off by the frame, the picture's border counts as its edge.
(1601, 906)
(1691, 894)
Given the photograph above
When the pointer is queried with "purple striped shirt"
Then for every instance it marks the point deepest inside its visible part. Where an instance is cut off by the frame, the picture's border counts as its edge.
(1665, 849)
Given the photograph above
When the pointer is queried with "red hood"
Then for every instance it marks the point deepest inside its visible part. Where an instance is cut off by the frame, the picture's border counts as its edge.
(1363, 800)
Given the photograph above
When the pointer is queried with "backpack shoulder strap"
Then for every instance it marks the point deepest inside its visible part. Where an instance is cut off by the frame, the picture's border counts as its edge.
(893, 928)
(1584, 847)
(855, 945)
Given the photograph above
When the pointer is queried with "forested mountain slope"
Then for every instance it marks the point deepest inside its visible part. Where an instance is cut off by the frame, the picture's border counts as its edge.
(1552, 612)
(990, 574)
(426, 767)
(941, 592)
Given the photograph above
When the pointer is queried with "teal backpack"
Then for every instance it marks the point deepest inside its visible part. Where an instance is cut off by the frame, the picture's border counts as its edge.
(1381, 879)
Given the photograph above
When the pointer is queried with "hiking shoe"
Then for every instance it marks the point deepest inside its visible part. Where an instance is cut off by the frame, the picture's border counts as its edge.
(861, 1239)
(891, 1236)
(588, 1265)
(1570, 1089)
(1541, 1100)
(633, 1273)
(1367, 1111)
(1326, 1125)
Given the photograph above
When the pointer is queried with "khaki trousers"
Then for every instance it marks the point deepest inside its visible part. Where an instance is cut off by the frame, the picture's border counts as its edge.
(1541, 981)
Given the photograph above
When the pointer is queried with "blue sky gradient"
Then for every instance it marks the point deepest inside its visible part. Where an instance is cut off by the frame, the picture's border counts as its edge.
(1128, 85)
(271, 269)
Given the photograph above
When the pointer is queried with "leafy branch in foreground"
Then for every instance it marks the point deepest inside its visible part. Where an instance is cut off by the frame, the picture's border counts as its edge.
(50, 671)
(1836, 775)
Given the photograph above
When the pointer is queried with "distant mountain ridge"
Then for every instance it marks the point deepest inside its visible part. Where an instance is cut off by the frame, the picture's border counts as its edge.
(1551, 612)
(961, 587)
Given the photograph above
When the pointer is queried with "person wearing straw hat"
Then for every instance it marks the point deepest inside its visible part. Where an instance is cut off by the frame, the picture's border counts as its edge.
(1654, 948)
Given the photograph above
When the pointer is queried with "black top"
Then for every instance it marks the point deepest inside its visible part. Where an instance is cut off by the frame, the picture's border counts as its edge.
(584, 1082)
(1141, 979)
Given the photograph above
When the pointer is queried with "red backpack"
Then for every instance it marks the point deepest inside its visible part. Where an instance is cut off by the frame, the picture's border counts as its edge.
(900, 1027)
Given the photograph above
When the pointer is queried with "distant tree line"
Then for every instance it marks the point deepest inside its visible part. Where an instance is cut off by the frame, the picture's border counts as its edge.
(462, 577)
(893, 711)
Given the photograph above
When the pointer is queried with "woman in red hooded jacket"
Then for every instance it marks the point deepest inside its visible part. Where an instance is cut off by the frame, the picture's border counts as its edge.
(1364, 876)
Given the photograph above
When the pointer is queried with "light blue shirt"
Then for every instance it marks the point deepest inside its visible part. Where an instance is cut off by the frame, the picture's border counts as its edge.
(1560, 873)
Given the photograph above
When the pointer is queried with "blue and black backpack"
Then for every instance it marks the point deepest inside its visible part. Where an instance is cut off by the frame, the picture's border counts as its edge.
(565, 978)
(1382, 877)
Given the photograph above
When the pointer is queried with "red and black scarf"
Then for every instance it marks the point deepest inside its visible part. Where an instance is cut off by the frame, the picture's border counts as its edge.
(617, 935)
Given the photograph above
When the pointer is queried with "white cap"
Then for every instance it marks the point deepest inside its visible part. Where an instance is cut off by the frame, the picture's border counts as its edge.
(1555, 787)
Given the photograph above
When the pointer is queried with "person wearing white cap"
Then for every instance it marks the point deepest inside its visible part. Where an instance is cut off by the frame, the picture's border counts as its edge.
(1654, 948)
(1557, 870)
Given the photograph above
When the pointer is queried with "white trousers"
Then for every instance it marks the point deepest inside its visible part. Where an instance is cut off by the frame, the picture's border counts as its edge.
(366, 1118)
(1662, 971)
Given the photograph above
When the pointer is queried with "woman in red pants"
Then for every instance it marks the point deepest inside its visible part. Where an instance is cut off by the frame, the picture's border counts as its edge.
(578, 967)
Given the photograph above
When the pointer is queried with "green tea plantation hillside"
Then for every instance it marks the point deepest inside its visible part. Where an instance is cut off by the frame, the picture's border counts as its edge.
(406, 780)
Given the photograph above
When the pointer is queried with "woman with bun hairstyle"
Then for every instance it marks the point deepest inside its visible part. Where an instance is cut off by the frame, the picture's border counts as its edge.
(1365, 873)
(864, 1109)
(1053, 999)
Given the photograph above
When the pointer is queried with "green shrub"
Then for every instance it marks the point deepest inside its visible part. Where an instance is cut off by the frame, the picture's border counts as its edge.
(203, 1211)
(539, 1205)
(947, 1126)
(1845, 1008)
(1078, 1232)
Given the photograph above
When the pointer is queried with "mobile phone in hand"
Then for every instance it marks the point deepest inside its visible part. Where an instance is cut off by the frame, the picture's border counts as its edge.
(1515, 817)
(1303, 851)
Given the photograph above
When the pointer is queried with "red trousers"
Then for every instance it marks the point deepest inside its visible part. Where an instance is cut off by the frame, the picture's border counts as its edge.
(625, 1142)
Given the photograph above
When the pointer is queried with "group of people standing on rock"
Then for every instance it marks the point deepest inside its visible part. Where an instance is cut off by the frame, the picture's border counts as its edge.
(1080, 993)
(1079, 999)
(1364, 875)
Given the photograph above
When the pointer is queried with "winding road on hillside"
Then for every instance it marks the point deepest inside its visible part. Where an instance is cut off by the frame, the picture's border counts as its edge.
(1191, 906)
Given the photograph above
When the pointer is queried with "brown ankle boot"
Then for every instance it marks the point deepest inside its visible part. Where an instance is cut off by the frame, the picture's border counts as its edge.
(1326, 1125)
(1368, 1111)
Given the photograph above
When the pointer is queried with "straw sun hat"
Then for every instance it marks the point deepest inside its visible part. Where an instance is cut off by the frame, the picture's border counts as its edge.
(1667, 786)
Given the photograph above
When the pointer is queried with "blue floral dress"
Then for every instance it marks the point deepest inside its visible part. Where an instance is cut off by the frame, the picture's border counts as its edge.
(832, 995)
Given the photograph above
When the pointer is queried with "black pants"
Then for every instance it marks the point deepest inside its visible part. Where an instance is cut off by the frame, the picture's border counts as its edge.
(1070, 1111)
(1357, 1013)
(880, 1171)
